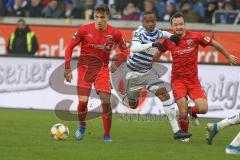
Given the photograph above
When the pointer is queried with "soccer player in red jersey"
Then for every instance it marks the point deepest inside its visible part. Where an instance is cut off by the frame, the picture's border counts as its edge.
(97, 40)
(184, 79)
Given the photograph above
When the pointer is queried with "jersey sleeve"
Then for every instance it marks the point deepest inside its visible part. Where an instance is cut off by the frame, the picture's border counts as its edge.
(204, 40)
(164, 34)
(164, 46)
(136, 37)
(76, 39)
(122, 45)
(124, 50)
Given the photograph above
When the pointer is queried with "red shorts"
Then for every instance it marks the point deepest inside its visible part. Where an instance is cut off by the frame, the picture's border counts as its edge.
(98, 77)
(187, 87)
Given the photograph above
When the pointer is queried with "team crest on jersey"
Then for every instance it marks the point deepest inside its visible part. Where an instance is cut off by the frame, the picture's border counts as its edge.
(206, 38)
(109, 38)
(75, 36)
(190, 42)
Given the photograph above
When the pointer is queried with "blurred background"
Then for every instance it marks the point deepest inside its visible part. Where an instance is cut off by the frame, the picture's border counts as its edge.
(198, 11)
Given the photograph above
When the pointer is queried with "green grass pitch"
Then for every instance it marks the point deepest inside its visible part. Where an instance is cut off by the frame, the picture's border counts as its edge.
(25, 135)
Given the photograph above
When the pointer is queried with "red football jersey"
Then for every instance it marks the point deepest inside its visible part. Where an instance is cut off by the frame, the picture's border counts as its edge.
(185, 54)
(96, 44)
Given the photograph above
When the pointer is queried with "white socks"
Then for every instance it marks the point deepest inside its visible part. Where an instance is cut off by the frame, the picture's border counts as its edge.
(229, 121)
(170, 111)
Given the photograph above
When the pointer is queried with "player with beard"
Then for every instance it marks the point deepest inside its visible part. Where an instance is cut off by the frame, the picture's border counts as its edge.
(139, 71)
(184, 79)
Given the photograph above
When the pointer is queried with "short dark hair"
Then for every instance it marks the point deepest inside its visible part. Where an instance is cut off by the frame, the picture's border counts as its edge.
(177, 15)
(149, 12)
(21, 21)
(103, 8)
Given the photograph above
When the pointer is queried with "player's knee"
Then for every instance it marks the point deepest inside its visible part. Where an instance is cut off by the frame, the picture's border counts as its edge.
(83, 98)
(104, 97)
(183, 112)
(162, 94)
(203, 109)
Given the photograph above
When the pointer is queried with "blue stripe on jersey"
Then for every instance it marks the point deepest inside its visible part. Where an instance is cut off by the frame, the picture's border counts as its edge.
(147, 39)
(146, 54)
(152, 34)
(144, 58)
(140, 62)
(137, 40)
(138, 67)
(141, 29)
(144, 37)
(136, 70)
(142, 65)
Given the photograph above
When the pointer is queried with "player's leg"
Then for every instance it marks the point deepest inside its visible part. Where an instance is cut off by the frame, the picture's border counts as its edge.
(83, 89)
(234, 146)
(214, 128)
(183, 118)
(169, 109)
(134, 85)
(106, 114)
(235, 119)
(103, 89)
(192, 112)
(198, 95)
(180, 93)
(83, 96)
(133, 98)
(201, 106)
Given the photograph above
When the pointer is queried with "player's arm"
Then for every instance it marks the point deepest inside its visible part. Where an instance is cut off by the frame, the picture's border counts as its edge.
(167, 35)
(137, 46)
(157, 56)
(160, 51)
(124, 52)
(76, 39)
(231, 58)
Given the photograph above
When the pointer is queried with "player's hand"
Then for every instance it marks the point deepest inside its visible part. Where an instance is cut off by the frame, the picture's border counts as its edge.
(113, 68)
(232, 59)
(175, 38)
(158, 45)
(68, 75)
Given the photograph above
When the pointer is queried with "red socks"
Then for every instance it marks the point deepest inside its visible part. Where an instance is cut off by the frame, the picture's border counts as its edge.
(82, 112)
(193, 110)
(184, 122)
(107, 118)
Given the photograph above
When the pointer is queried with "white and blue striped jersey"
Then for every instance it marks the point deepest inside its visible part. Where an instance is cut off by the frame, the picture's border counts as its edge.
(141, 60)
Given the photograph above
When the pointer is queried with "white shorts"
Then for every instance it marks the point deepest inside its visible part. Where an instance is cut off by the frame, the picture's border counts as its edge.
(128, 84)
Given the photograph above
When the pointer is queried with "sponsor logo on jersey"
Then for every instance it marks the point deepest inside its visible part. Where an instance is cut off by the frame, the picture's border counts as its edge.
(109, 38)
(184, 51)
(90, 35)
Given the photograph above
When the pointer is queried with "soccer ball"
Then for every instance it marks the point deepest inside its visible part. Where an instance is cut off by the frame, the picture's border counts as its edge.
(59, 131)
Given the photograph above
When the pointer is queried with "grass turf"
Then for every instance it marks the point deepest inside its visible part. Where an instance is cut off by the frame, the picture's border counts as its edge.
(25, 134)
